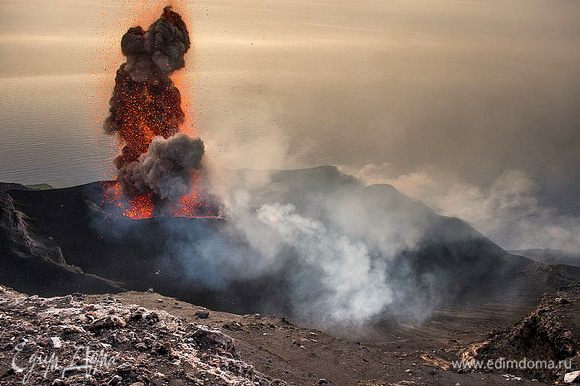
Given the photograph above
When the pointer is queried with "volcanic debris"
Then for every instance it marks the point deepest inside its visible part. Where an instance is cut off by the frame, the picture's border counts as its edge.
(549, 333)
(62, 340)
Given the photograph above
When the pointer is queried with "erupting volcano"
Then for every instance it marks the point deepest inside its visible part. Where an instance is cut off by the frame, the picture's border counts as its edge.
(159, 166)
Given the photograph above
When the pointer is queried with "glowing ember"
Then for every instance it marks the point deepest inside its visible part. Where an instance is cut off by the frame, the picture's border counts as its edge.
(192, 205)
(159, 165)
(142, 112)
(136, 208)
(140, 207)
(189, 203)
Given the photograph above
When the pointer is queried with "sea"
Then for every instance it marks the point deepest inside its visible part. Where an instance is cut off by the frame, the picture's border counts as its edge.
(51, 129)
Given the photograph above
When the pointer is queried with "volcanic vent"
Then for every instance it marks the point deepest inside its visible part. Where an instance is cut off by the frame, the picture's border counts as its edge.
(159, 167)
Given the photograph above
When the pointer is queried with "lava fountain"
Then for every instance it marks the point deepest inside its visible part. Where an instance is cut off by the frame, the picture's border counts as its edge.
(159, 166)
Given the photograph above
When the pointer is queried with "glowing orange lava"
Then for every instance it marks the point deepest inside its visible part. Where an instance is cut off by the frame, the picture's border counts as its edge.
(135, 208)
(141, 111)
(140, 207)
(189, 204)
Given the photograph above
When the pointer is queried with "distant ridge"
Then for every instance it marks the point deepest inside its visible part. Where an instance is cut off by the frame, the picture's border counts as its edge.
(550, 256)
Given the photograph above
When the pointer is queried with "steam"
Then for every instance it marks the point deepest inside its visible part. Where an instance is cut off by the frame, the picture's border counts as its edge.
(507, 210)
(330, 247)
(356, 287)
(508, 213)
(166, 167)
(146, 112)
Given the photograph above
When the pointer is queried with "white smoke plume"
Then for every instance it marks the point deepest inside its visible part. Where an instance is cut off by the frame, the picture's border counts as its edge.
(356, 286)
(508, 213)
(166, 168)
(507, 210)
(335, 249)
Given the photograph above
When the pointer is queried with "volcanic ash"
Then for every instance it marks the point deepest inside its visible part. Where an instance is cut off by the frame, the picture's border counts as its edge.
(146, 114)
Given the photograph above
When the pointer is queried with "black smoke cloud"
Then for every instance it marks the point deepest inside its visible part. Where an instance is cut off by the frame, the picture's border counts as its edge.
(157, 52)
(146, 114)
(166, 167)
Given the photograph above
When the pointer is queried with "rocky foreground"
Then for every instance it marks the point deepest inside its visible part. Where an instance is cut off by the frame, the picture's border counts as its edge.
(550, 332)
(64, 340)
(143, 338)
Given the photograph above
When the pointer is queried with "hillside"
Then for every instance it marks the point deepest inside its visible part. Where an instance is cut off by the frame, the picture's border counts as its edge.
(430, 260)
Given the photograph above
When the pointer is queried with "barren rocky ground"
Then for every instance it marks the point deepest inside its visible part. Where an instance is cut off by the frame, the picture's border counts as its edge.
(64, 340)
(162, 341)
(550, 332)
(386, 354)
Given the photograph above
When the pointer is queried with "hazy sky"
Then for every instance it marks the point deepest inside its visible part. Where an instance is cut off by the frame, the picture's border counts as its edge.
(463, 88)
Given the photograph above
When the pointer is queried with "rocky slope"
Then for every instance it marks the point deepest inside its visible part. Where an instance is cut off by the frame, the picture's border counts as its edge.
(35, 263)
(143, 338)
(455, 284)
(64, 340)
(550, 332)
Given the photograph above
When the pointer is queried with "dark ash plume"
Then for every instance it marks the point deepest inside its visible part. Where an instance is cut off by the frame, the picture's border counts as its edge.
(158, 51)
(146, 105)
(165, 169)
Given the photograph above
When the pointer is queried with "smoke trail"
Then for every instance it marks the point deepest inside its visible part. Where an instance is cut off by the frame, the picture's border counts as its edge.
(146, 114)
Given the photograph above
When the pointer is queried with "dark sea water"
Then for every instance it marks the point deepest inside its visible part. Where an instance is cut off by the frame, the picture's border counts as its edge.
(50, 130)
